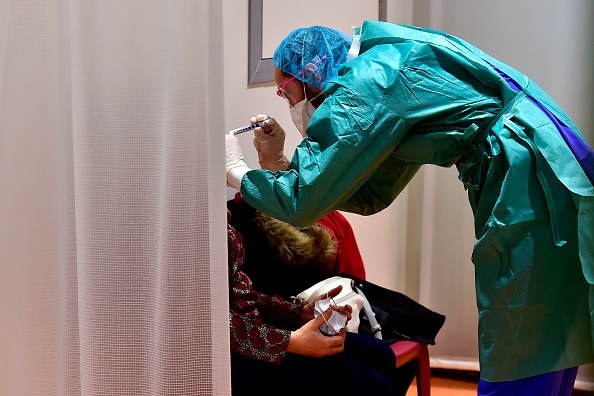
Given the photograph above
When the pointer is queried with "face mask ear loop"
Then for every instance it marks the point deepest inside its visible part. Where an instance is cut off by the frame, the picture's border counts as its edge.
(305, 96)
(315, 97)
(332, 329)
(312, 99)
(328, 325)
(333, 304)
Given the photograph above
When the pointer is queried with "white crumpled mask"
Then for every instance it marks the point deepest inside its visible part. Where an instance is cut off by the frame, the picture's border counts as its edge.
(335, 323)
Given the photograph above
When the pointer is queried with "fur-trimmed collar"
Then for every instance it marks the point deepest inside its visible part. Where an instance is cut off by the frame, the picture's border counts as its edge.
(298, 246)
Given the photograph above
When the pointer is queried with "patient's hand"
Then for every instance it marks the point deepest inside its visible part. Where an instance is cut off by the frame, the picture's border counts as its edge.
(345, 310)
(309, 341)
(307, 313)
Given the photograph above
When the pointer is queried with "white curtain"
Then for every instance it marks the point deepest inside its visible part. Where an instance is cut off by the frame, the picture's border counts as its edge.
(112, 226)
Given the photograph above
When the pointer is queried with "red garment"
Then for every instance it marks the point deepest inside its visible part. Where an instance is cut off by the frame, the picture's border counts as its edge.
(250, 335)
(348, 258)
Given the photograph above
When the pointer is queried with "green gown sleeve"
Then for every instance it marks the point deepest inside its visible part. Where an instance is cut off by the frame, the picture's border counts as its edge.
(347, 139)
(355, 155)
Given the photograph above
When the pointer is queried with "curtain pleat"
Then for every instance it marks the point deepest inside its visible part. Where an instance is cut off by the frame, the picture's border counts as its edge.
(112, 243)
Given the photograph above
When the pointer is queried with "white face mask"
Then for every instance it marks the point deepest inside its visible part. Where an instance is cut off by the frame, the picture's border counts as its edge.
(301, 114)
(302, 111)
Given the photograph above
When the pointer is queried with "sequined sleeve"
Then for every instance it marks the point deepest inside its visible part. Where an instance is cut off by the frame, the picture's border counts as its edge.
(250, 335)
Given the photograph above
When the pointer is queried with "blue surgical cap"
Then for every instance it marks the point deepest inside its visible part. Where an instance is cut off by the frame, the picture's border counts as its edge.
(313, 54)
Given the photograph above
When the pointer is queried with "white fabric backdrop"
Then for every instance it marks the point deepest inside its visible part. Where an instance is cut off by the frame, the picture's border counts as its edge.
(112, 223)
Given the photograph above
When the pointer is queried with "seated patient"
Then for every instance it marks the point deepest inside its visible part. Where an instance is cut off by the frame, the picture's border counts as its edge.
(285, 260)
(277, 348)
(270, 261)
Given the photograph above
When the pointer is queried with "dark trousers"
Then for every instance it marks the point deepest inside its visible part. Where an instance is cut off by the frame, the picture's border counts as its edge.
(367, 366)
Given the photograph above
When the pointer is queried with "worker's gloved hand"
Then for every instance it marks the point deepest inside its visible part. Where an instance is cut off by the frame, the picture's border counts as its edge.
(233, 153)
(236, 166)
(269, 141)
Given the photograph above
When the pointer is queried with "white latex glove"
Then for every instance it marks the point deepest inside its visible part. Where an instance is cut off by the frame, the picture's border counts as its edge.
(269, 141)
(236, 166)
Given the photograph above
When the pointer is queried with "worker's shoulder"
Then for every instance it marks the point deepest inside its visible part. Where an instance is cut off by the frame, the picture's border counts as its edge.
(385, 32)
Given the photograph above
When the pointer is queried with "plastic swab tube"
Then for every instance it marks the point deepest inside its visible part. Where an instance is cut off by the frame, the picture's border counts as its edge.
(268, 121)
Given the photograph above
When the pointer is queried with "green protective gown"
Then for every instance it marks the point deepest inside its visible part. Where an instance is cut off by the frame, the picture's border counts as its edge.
(415, 96)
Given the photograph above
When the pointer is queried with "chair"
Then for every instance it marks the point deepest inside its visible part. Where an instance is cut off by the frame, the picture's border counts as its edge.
(406, 351)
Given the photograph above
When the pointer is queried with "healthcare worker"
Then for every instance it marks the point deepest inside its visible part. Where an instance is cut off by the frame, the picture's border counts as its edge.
(414, 96)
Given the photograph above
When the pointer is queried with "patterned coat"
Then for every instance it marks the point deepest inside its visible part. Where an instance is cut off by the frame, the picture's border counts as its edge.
(252, 314)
